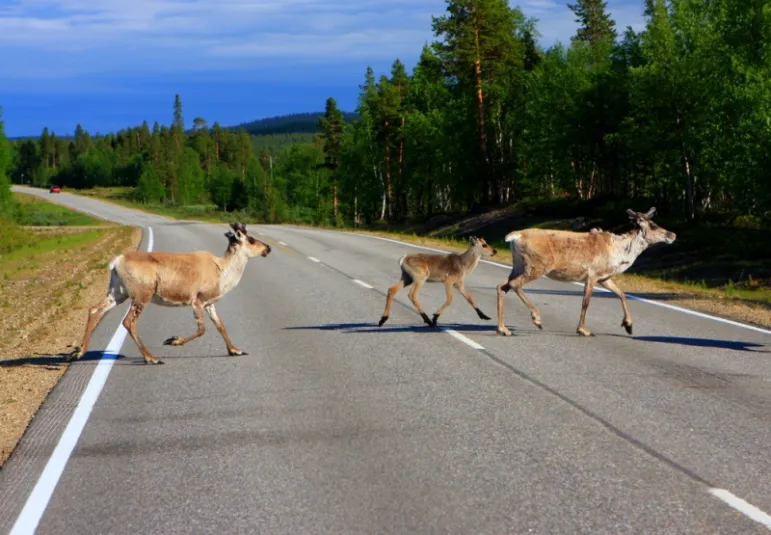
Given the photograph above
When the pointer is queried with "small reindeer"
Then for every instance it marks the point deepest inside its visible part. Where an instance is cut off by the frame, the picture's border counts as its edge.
(198, 279)
(450, 269)
(590, 257)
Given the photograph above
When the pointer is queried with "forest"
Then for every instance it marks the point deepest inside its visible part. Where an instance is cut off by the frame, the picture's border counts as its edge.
(677, 115)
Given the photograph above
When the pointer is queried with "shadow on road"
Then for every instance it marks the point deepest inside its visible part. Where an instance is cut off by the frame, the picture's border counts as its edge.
(373, 328)
(54, 360)
(736, 345)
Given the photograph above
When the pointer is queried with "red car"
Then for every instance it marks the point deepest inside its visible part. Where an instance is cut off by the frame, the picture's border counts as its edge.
(55, 189)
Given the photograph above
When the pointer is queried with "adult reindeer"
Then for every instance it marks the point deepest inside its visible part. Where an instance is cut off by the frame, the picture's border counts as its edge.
(198, 279)
(450, 269)
(589, 257)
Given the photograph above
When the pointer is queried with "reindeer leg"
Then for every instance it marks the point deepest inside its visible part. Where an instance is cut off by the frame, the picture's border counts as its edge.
(233, 351)
(414, 298)
(198, 312)
(501, 290)
(130, 323)
(447, 303)
(588, 287)
(116, 295)
(516, 283)
(611, 285)
(471, 301)
(406, 280)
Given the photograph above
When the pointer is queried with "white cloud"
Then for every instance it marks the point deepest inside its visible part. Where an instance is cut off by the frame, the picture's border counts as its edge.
(71, 37)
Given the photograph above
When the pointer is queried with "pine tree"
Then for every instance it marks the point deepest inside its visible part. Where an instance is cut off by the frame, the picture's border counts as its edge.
(331, 128)
(595, 22)
(178, 121)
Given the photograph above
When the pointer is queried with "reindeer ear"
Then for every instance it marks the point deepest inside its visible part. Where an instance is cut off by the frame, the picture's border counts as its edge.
(631, 213)
(650, 212)
(231, 237)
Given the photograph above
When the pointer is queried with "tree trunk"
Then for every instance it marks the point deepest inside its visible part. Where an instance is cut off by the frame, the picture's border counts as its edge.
(480, 110)
(388, 169)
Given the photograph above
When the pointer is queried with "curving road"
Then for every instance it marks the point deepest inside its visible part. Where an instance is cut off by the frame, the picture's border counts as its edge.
(333, 425)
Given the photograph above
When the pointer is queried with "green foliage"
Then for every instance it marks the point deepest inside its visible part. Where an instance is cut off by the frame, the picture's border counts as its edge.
(7, 204)
(33, 211)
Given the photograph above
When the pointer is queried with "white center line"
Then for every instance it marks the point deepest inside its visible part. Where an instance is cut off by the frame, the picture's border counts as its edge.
(36, 503)
(462, 337)
(743, 507)
(362, 283)
(314, 259)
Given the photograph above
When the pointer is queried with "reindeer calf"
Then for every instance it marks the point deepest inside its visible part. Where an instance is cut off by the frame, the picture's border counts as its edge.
(198, 279)
(450, 269)
(589, 257)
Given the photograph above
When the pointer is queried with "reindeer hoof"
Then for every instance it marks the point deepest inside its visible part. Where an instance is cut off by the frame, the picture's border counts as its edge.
(382, 321)
(426, 319)
(627, 326)
(236, 352)
(173, 341)
(75, 354)
(538, 324)
(503, 331)
(155, 361)
(584, 332)
(434, 320)
(482, 315)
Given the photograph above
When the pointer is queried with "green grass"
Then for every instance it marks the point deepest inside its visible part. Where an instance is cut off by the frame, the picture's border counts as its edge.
(34, 211)
(24, 256)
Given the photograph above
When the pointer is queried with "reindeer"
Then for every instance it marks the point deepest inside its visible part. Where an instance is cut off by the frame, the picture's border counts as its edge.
(591, 257)
(198, 279)
(450, 269)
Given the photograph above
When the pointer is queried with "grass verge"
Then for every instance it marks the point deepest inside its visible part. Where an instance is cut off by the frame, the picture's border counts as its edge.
(48, 277)
(34, 211)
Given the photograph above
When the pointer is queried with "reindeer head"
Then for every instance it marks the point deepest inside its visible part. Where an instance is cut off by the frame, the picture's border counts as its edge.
(240, 239)
(650, 231)
(487, 250)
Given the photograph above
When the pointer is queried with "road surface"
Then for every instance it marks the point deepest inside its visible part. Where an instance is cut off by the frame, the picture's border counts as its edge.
(333, 425)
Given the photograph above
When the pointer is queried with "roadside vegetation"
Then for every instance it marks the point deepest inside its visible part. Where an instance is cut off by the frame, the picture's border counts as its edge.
(52, 266)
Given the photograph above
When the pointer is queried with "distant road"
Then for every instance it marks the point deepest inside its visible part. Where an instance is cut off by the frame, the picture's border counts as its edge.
(333, 425)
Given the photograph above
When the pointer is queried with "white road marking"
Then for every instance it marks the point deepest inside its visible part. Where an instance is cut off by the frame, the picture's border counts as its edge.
(36, 503)
(598, 289)
(743, 507)
(462, 337)
(362, 283)
(314, 259)
(282, 243)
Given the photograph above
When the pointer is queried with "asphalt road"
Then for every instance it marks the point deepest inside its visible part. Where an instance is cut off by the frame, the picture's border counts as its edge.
(333, 425)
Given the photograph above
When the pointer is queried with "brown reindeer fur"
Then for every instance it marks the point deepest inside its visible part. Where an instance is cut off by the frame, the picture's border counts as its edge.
(197, 279)
(450, 269)
(593, 257)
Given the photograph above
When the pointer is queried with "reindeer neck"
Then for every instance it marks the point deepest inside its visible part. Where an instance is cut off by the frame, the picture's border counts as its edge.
(627, 247)
(232, 268)
(470, 257)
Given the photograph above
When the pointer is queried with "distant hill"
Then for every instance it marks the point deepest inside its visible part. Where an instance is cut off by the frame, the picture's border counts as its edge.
(295, 123)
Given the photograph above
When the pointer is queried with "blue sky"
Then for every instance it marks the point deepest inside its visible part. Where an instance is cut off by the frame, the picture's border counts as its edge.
(108, 64)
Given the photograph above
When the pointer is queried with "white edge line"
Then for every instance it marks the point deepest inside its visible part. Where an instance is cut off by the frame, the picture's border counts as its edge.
(282, 243)
(362, 283)
(312, 259)
(743, 507)
(462, 337)
(628, 295)
(36, 503)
